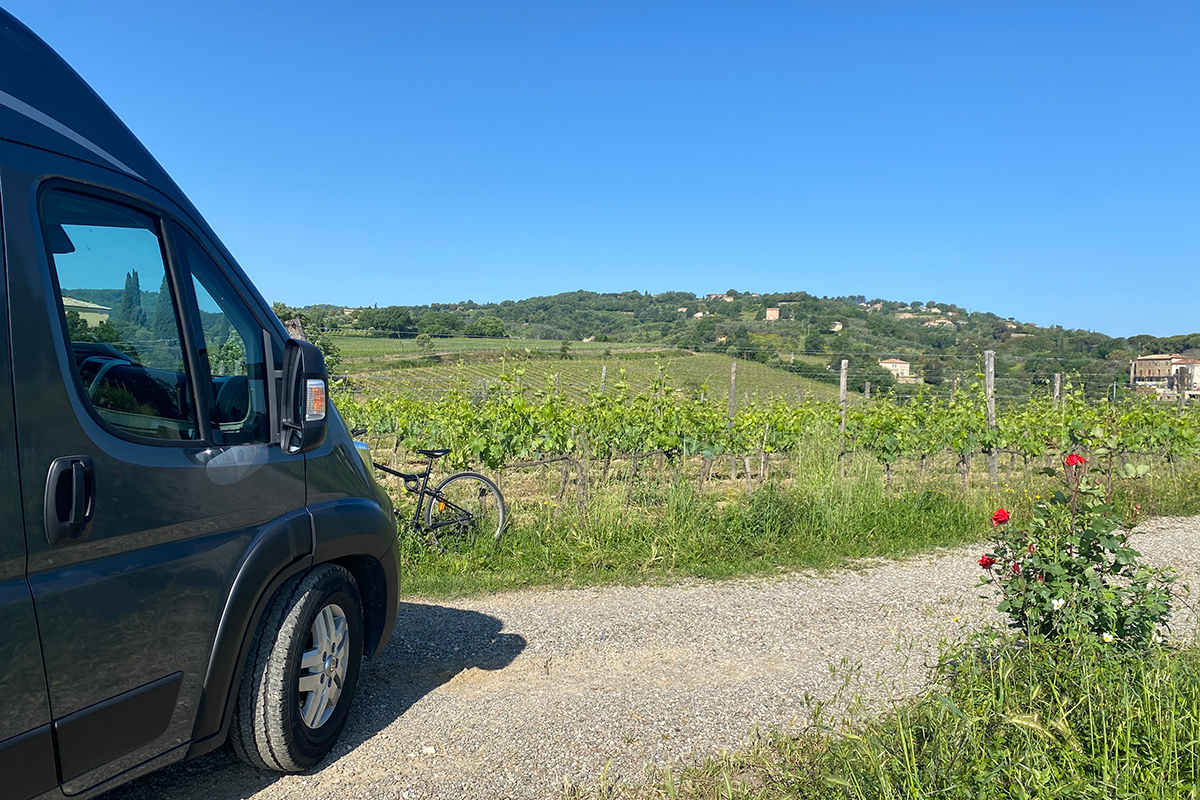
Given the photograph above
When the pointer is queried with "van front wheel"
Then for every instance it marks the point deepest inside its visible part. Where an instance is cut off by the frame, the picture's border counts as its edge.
(301, 672)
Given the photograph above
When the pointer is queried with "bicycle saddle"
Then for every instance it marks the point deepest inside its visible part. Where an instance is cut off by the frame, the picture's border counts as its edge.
(434, 453)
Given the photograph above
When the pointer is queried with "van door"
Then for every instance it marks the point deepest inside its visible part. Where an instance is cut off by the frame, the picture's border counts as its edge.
(144, 443)
(26, 745)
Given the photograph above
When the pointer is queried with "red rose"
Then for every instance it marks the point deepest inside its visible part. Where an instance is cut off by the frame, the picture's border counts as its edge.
(1032, 547)
(1000, 517)
(986, 561)
(1017, 567)
(1075, 460)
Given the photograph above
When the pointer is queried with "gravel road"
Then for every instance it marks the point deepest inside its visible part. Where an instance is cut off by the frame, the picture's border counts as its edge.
(508, 695)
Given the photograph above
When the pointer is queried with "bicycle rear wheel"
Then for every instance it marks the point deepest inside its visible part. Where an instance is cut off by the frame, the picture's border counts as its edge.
(465, 508)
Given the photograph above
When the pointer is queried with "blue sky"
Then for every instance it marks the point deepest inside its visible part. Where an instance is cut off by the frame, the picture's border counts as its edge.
(1036, 159)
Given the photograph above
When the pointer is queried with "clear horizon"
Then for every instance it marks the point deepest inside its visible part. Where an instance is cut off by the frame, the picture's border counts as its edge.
(1034, 160)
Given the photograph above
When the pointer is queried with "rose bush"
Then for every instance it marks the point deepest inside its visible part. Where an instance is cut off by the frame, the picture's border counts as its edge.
(1072, 572)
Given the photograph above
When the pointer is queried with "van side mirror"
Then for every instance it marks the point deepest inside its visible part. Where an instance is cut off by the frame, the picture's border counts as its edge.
(303, 416)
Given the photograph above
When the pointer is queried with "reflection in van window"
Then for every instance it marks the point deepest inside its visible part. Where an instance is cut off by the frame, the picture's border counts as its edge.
(233, 341)
(120, 315)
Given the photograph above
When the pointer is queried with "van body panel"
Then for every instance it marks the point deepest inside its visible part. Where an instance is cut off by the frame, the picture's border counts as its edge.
(359, 526)
(92, 737)
(280, 550)
(27, 764)
(140, 621)
(26, 745)
(140, 598)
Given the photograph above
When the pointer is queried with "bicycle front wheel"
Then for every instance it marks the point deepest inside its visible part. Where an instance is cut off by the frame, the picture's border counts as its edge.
(465, 508)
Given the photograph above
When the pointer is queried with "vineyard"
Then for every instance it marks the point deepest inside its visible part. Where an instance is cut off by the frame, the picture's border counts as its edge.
(657, 480)
(581, 377)
(515, 423)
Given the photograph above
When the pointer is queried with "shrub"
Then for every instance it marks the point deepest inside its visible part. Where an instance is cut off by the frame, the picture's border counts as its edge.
(1072, 571)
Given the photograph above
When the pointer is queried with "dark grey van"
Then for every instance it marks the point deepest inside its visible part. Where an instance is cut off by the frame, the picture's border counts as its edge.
(192, 549)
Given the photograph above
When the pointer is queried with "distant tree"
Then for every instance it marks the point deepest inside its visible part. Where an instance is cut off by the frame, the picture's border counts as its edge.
(564, 349)
(163, 328)
(487, 326)
(425, 342)
(934, 371)
(77, 328)
(132, 313)
(389, 318)
(286, 312)
(328, 347)
(439, 323)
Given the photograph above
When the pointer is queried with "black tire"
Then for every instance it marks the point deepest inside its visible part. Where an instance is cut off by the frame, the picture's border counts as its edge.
(473, 506)
(269, 730)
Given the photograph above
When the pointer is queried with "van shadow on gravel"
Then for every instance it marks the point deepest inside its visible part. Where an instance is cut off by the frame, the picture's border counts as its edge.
(431, 645)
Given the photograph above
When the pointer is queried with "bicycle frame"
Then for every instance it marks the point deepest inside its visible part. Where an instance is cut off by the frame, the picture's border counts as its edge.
(411, 479)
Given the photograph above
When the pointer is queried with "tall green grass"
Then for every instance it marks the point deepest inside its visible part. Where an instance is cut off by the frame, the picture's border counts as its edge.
(1007, 721)
(658, 529)
(684, 534)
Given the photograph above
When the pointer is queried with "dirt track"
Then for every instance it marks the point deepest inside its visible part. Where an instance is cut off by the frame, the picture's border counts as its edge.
(507, 695)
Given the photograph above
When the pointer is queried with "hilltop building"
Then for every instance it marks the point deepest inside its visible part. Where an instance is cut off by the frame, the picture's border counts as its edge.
(1164, 372)
(901, 370)
(91, 313)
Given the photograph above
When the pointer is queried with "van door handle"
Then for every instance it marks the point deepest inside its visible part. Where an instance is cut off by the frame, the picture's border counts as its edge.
(70, 499)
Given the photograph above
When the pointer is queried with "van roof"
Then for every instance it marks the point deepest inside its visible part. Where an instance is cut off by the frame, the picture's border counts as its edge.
(44, 103)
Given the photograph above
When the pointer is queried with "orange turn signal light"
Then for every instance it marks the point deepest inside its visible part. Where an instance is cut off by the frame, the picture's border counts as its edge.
(314, 400)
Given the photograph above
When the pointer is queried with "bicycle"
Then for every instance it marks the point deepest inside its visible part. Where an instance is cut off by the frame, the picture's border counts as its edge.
(465, 506)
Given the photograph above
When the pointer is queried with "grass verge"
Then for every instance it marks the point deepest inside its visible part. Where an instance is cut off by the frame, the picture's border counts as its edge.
(1000, 721)
(659, 531)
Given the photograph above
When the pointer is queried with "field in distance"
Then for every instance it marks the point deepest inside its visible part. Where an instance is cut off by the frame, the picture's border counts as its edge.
(467, 363)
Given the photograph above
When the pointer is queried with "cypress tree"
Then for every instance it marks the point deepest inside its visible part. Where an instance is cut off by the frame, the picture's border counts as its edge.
(164, 329)
(132, 313)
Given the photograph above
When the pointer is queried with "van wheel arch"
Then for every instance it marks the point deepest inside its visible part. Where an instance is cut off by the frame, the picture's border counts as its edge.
(372, 585)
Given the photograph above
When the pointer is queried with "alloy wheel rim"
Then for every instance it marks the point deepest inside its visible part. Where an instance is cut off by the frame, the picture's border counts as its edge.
(323, 666)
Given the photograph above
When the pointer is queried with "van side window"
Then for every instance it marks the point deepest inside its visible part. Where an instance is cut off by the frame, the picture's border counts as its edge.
(120, 315)
(233, 342)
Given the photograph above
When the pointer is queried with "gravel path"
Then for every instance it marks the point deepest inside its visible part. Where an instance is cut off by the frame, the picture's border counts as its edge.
(508, 695)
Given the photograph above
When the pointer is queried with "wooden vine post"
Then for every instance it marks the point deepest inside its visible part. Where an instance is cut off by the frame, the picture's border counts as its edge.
(732, 408)
(989, 376)
(842, 395)
(866, 390)
(603, 376)
(1057, 388)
